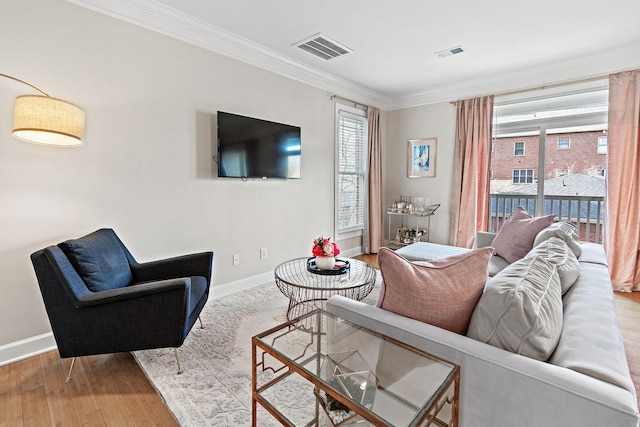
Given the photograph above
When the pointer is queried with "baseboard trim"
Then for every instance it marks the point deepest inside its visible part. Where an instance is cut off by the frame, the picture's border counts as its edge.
(351, 253)
(240, 285)
(29, 347)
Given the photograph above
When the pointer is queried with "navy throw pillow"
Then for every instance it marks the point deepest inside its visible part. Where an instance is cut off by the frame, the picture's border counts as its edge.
(100, 260)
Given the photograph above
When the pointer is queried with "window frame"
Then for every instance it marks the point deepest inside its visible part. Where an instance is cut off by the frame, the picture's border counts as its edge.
(526, 177)
(515, 148)
(605, 145)
(568, 147)
(356, 114)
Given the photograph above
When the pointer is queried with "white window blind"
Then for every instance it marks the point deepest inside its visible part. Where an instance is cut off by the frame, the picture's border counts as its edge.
(351, 183)
(602, 145)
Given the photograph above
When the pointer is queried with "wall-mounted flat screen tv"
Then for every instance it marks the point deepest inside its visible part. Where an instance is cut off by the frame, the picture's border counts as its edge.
(255, 148)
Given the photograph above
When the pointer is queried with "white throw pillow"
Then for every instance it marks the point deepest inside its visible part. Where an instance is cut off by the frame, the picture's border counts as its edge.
(562, 230)
(557, 252)
(521, 309)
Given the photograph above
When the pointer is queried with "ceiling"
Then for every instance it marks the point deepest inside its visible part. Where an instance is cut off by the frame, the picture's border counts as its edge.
(393, 64)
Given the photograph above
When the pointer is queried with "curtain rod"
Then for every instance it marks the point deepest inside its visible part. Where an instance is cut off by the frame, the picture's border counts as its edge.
(355, 104)
(544, 86)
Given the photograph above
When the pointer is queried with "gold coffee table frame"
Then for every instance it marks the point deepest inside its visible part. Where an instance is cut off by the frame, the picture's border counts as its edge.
(307, 291)
(407, 386)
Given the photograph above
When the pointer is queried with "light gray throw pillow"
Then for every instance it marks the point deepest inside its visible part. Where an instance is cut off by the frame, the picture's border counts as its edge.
(557, 252)
(521, 309)
(562, 230)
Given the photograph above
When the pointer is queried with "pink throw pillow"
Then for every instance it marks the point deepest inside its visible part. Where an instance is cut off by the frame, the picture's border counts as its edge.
(443, 292)
(515, 238)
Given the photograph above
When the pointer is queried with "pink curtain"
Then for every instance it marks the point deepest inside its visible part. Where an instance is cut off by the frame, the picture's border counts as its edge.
(472, 157)
(374, 239)
(622, 220)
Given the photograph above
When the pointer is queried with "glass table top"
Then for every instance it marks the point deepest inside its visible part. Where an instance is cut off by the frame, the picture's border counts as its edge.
(295, 273)
(395, 383)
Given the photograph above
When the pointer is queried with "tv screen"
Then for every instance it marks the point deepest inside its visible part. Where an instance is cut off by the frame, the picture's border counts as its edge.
(255, 148)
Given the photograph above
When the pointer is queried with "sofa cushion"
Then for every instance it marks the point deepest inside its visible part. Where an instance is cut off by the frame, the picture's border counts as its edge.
(496, 265)
(557, 252)
(427, 251)
(562, 230)
(517, 234)
(443, 292)
(591, 342)
(521, 309)
(592, 253)
(99, 260)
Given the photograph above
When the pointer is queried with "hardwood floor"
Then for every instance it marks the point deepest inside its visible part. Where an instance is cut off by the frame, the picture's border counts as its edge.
(106, 390)
(111, 390)
(371, 259)
(628, 307)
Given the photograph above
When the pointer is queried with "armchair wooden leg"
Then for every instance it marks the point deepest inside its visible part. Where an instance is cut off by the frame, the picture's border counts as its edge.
(68, 380)
(175, 350)
(201, 324)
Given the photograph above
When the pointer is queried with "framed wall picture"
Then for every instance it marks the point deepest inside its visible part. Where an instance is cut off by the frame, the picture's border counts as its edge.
(422, 157)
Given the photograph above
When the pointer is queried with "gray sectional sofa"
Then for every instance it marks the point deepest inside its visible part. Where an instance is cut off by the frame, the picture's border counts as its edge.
(585, 382)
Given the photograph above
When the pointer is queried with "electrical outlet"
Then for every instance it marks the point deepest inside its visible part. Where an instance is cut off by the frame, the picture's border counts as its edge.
(236, 259)
(263, 253)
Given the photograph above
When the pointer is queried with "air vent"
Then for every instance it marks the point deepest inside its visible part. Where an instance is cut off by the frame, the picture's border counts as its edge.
(451, 51)
(323, 47)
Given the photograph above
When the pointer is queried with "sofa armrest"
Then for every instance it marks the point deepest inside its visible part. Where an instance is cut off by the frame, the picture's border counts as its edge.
(198, 264)
(499, 388)
(484, 239)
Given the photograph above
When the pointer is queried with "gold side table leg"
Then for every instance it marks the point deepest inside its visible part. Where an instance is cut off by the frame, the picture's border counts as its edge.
(254, 383)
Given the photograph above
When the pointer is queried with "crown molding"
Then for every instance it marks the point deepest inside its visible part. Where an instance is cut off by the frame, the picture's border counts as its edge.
(599, 64)
(157, 17)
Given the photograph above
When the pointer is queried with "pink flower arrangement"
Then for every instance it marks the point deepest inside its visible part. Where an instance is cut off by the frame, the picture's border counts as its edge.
(324, 247)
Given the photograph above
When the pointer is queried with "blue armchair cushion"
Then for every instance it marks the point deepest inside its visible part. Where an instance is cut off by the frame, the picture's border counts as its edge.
(198, 289)
(100, 260)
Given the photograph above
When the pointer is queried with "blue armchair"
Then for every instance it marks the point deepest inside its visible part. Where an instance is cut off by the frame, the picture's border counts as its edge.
(100, 300)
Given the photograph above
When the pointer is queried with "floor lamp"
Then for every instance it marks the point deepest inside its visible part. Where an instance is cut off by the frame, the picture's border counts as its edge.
(42, 119)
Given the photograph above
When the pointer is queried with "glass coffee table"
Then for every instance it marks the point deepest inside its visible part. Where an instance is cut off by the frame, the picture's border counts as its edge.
(307, 290)
(352, 375)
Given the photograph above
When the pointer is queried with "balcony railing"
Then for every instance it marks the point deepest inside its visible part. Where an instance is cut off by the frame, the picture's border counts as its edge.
(585, 212)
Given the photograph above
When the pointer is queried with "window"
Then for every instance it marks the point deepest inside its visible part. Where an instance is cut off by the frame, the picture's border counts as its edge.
(548, 177)
(518, 148)
(351, 169)
(523, 176)
(602, 145)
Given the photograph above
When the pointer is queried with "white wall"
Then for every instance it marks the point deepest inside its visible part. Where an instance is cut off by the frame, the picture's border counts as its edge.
(145, 168)
(431, 121)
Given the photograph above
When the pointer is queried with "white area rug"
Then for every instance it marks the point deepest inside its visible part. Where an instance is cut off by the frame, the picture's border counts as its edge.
(215, 387)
